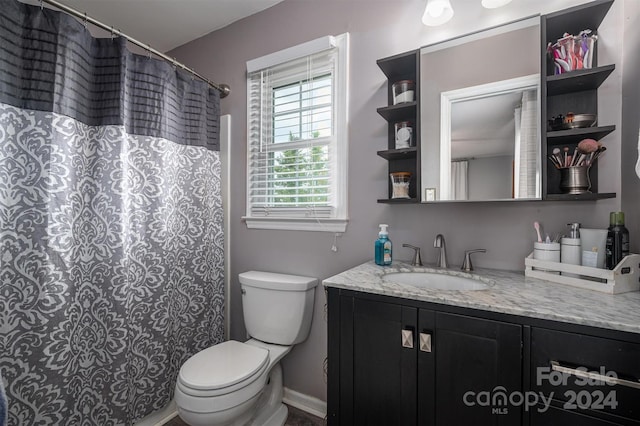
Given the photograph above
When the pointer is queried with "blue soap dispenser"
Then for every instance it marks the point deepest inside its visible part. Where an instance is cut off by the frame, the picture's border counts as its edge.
(383, 247)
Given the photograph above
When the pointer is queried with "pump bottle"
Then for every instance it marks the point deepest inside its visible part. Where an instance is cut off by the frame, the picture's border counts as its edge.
(617, 240)
(383, 249)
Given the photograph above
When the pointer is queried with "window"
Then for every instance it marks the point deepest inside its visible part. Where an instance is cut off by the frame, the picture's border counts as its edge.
(297, 138)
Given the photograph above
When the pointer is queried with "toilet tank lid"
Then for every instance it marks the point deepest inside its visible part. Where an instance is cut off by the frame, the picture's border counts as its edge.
(277, 281)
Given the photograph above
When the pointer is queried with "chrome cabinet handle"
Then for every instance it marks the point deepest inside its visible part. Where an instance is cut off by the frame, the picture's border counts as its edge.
(555, 366)
(407, 339)
(425, 342)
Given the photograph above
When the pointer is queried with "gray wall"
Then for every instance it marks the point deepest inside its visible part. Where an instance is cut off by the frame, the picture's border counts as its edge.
(379, 29)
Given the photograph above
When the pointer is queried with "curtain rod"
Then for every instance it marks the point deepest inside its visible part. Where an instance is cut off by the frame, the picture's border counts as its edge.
(224, 89)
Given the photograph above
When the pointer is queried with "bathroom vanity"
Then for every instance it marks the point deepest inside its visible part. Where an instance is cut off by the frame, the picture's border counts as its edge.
(520, 352)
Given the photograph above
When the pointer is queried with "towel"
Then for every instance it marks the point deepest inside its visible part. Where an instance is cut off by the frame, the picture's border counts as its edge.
(638, 163)
(3, 404)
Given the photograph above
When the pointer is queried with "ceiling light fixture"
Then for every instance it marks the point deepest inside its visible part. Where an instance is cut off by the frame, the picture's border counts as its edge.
(437, 12)
(493, 4)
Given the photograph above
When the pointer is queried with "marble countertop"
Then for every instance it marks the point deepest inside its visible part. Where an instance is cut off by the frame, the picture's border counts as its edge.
(509, 293)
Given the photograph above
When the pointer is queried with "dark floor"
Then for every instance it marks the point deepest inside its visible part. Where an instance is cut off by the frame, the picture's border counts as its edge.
(296, 418)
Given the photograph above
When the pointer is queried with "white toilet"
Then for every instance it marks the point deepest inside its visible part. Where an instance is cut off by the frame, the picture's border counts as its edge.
(236, 383)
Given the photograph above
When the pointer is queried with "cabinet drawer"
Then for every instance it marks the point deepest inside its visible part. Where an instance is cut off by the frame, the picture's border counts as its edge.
(559, 417)
(586, 372)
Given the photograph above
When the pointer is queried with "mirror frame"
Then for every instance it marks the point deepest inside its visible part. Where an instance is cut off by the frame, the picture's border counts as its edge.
(528, 82)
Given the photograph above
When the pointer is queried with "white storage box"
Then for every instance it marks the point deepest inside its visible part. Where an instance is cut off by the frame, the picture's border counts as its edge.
(622, 279)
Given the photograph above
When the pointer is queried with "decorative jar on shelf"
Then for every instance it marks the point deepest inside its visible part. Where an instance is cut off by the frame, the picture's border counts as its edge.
(404, 134)
(403, 91)
(400, 184)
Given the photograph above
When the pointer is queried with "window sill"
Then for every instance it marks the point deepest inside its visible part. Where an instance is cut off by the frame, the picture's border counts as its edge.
(296, 224)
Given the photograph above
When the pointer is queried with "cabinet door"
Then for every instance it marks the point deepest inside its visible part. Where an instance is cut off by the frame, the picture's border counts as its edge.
(384, 371)
(476, 359)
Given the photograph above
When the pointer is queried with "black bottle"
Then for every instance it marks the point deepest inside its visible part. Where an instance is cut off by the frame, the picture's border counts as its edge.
(617, 239)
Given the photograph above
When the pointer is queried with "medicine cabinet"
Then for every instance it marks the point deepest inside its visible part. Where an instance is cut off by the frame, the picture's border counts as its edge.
(450, 100)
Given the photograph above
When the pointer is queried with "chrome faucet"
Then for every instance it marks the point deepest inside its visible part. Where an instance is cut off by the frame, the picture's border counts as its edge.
(417, 260)
(442, 256)
(467, 266)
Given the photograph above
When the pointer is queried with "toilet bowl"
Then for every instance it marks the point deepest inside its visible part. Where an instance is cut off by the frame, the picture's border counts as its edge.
(219, 384)
(236, 383)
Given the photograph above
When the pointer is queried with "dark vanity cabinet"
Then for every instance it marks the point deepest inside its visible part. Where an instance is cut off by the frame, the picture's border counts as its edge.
(394, 361)
(405, 66)
(574, 91)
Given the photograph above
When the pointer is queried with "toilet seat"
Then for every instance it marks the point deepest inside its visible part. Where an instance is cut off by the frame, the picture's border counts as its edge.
(222, 369)
(216, 401)
(223, 365)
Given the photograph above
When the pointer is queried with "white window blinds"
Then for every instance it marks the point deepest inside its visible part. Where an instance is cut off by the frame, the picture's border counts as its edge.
(297, 139)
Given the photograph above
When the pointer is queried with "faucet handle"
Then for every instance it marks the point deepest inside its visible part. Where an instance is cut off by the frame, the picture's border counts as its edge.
(466, 264)
(417, 260)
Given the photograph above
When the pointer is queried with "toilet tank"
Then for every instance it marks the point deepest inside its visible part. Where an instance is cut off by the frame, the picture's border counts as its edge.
(277, 308)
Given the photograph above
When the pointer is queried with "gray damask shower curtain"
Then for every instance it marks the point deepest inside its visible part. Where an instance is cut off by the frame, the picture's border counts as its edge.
(111, 245)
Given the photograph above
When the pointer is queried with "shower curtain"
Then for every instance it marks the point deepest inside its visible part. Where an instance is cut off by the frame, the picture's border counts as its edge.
(459, 180)
(111, 244)
(526, 118)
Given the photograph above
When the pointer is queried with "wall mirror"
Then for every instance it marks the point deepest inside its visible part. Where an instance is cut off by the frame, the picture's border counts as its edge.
(480, 116)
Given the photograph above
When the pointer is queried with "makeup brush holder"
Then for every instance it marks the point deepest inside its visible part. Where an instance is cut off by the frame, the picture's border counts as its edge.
(575, 180)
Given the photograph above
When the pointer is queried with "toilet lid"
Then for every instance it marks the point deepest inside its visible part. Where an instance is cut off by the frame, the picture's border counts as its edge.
(222, 365)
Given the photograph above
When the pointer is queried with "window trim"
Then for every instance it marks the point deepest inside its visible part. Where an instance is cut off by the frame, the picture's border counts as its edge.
(337, 223)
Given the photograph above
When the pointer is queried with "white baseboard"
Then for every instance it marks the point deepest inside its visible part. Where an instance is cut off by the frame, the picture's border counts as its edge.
(309, 404)
(306, 403)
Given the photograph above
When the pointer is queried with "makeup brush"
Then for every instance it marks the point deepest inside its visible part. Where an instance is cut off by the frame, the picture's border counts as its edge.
(566, 158)
(598, 153)
(555, 162)
(574, 157)
(556, 154)
(588, 146)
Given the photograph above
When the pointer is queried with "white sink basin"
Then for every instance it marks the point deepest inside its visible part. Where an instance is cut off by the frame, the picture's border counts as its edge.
(435, 281)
